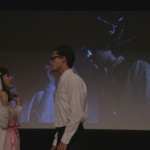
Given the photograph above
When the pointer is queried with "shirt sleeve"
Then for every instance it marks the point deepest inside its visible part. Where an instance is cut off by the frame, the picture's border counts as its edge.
(77, 92)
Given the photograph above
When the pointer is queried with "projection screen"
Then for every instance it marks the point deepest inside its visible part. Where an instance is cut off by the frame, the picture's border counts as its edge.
(118, 95)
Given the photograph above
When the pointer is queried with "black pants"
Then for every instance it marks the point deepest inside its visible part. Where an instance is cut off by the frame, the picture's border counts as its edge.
(78, 140)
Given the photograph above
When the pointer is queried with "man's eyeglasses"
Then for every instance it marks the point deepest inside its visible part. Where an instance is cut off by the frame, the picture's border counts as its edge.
(54, 57)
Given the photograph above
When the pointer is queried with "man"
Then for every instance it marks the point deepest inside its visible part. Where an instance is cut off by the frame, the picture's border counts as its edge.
(70, 101)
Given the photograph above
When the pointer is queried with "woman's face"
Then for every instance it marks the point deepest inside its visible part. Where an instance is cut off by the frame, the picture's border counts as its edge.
(8, 81)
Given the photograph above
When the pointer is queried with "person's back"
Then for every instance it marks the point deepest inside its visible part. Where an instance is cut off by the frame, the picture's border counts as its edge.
(126, 89)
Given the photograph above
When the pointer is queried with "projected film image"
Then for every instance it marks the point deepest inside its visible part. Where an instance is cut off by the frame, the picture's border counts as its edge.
(112, 56)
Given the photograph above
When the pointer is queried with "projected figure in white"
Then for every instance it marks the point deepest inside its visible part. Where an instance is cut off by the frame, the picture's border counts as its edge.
(41, 107)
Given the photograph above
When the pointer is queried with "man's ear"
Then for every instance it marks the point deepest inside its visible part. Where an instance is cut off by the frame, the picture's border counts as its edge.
(64, 59)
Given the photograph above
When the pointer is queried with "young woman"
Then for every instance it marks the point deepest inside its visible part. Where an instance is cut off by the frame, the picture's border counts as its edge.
(9, 113)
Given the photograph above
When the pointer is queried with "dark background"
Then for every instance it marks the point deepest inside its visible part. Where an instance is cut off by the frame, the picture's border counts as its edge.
(96, 139)
(74, 5)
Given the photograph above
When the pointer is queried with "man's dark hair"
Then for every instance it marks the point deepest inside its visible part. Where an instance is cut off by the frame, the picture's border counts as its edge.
(67, 52)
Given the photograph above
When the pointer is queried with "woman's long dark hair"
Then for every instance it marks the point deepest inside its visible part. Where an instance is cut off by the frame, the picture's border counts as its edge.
(4, 71)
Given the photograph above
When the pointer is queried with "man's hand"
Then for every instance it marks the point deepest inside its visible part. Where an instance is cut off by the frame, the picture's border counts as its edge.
(62, 146)
(53, 147)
